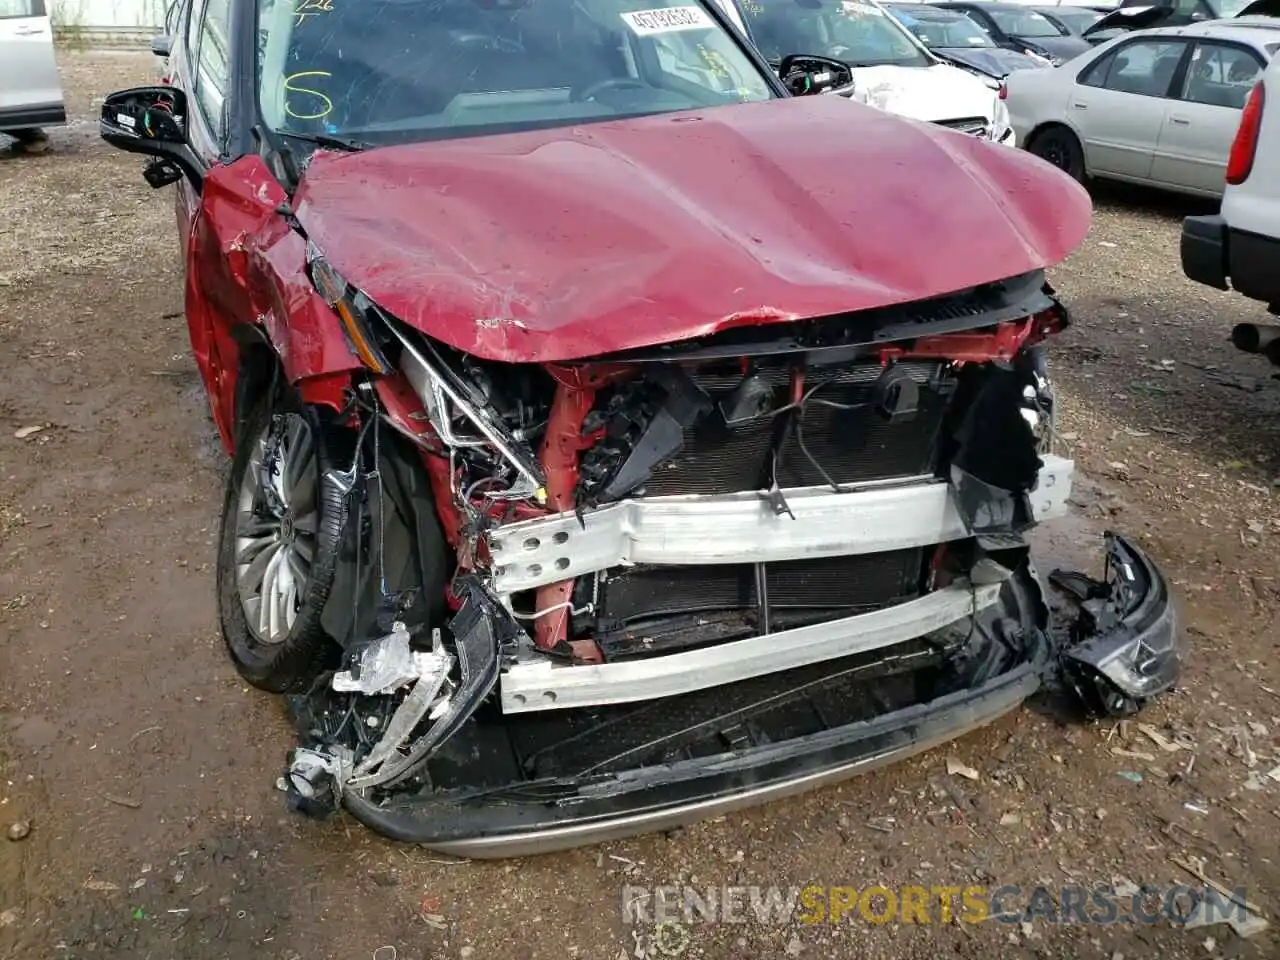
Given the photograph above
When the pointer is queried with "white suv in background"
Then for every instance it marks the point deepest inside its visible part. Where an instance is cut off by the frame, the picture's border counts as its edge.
(1242, 243)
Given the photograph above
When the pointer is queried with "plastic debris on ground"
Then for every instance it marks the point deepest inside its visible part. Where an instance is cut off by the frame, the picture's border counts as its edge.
(956, 768)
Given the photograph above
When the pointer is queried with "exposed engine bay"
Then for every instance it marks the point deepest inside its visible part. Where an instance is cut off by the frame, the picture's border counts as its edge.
(570, 591)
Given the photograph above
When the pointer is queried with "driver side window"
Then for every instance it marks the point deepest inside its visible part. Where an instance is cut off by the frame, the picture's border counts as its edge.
(211, 66)
(191, 31)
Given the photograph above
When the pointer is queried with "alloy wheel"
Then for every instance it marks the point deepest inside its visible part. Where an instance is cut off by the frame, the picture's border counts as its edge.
(277, 520)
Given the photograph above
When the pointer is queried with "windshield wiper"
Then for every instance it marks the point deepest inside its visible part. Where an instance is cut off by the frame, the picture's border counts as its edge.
(328, 141)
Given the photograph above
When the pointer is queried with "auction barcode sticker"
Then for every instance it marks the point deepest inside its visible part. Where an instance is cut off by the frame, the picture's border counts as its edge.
(667, 20)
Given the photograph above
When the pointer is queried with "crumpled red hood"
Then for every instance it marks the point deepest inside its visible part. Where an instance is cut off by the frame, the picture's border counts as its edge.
(558, 244)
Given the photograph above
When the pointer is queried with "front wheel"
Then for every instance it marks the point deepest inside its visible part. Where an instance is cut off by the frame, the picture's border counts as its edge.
(1060, 147)
(278, 548)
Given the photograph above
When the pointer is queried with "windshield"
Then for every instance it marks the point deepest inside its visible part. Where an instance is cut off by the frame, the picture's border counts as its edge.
(946, 31)
(398, 70)
(1024, 23)
(860, 34)
(1230, 8)
(1077, 20)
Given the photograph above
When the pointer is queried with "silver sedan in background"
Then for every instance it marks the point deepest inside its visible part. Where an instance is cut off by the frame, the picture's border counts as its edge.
(30, 91)
(1158, 107)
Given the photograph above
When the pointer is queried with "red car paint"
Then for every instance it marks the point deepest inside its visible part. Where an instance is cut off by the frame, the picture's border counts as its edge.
(579, 241)
(246, 265)
(562, 445)
(1002, 343)
(562, 244)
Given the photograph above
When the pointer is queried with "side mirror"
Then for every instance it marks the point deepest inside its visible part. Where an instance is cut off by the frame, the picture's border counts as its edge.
(805, 74)
(152, 121)
(162, 45)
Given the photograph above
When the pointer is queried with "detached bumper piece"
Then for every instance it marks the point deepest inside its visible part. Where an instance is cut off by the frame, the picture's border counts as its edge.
(1124, 644)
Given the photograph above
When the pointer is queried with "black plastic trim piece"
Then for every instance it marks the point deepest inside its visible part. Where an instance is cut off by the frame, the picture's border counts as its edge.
(653, 798)
(40, 115)
(1204, 250)
(984, 306)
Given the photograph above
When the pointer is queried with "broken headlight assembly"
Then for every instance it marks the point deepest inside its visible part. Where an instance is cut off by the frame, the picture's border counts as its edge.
(462, 412)
(354, 309)
(456, 404)
(1123, 646)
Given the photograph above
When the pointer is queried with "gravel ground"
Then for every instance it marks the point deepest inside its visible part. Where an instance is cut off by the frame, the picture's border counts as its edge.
(146, 768)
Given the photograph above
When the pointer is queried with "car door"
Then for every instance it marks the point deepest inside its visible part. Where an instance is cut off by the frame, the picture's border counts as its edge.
(30, 91)
(1201, 120)
(216, 297)
(185, 75)
(1118, 104)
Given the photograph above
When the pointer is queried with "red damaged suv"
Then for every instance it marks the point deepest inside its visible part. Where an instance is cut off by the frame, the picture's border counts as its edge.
(616, 436)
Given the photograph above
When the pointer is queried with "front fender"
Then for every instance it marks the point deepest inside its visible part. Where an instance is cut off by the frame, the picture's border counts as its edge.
(244, 206)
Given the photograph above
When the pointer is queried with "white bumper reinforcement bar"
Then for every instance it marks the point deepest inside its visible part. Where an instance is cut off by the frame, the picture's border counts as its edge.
(742, 528)
(542, 685)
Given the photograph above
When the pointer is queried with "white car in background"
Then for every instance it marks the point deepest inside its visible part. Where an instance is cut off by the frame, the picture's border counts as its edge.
(1157, 107)
(1242, 243)
(30, 91)
(891, 69)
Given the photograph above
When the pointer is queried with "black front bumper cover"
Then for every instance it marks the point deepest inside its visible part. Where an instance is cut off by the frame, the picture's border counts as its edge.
(1120, 651)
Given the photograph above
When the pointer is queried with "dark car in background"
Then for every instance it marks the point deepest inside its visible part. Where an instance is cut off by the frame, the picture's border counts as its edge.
(1182, 12)
(1146, 14)
(1074, 20)
(953, 36)
(1017, 27)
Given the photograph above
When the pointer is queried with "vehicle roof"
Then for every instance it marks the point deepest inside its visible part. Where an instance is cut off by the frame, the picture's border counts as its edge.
(1254, 31)
(1258, 22)
(985, 5)
(1102, 6)
(926, 11)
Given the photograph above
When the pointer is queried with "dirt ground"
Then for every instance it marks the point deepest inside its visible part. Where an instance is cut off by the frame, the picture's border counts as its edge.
(146, 769)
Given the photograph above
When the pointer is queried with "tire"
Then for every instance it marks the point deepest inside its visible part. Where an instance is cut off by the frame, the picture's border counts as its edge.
(1060, 147)
(31, 140)
(271, 520)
